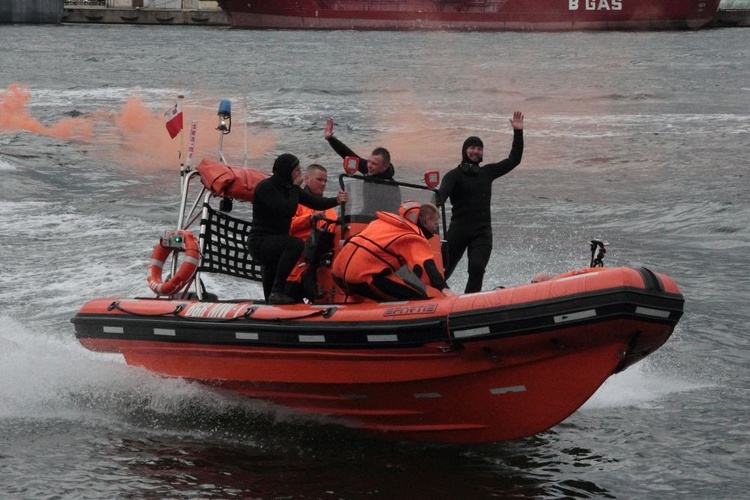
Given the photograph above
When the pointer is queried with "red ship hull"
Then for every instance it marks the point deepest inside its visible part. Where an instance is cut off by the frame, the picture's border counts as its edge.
(471, 15)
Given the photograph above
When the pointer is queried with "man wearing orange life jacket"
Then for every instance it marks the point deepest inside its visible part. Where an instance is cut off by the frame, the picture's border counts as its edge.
(316, 179)
(391, 258)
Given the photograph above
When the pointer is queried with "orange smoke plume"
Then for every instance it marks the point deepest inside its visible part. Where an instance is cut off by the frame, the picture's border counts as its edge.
(15, 116)
(136, 136)
(411, 135)
(143, 140)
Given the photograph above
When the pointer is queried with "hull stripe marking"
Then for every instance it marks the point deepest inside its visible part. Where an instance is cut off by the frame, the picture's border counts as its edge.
(428, 395)
(647, 311)
(574, 316)
(165, 332)
(473, 332)
(246, 336)
(506, 390)
(382, 338)
(113, 329)
(312, 338)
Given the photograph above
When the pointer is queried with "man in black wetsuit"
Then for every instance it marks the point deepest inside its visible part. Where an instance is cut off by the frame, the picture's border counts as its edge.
(469, 189)
(377, 195)
(274, 204)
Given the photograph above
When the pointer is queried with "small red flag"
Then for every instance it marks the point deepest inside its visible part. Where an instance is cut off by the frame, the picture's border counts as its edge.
(174, 119)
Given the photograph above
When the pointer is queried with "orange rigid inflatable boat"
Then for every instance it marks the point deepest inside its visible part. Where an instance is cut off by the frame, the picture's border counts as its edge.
(483, 367)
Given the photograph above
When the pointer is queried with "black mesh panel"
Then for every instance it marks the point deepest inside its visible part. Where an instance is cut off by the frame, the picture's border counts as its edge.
(224, 246)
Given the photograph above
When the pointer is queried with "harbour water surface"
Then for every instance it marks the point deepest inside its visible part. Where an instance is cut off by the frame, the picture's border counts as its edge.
(640, 139)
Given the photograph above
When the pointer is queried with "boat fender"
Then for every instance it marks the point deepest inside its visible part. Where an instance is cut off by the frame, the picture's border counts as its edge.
(186, 270)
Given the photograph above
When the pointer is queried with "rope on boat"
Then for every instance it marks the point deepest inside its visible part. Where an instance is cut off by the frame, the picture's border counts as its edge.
(325, 312)
(174, 312)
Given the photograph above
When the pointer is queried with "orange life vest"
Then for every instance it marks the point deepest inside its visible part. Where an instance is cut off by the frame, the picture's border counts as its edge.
(301, 229)
(385, 245)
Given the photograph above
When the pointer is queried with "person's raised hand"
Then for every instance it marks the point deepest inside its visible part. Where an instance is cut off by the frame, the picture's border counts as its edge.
(517, 121)
(328, 133)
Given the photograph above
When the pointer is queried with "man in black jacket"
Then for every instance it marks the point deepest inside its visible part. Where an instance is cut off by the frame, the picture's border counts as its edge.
(274, 204)
(378, 194)
(378, 165)
(469, 189)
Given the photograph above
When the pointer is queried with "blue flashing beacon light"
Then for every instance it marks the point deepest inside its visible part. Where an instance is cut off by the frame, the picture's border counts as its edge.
(225, 117)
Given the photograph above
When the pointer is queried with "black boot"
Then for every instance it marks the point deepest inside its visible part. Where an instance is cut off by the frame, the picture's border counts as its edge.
(280, 298)
(294, 290)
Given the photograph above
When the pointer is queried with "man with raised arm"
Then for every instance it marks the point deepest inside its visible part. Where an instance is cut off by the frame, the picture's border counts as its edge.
(378, 192)
(377, 165)
(469, 189)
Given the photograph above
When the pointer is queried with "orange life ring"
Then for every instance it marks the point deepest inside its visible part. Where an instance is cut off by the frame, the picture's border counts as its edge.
(184, 272)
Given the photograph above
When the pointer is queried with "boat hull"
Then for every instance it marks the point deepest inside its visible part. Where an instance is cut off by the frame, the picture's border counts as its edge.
(480, 367)
(471, 15)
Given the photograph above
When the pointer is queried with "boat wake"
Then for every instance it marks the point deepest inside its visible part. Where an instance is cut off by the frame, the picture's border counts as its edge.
(47, 379)
(639, 387)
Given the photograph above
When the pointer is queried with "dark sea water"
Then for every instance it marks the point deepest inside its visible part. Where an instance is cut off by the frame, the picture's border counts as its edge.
(640, 139)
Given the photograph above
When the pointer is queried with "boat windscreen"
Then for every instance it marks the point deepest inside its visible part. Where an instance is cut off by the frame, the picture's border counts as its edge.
(367, 196)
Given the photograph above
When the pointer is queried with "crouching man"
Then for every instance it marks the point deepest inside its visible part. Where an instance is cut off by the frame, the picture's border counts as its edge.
(391, 258)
